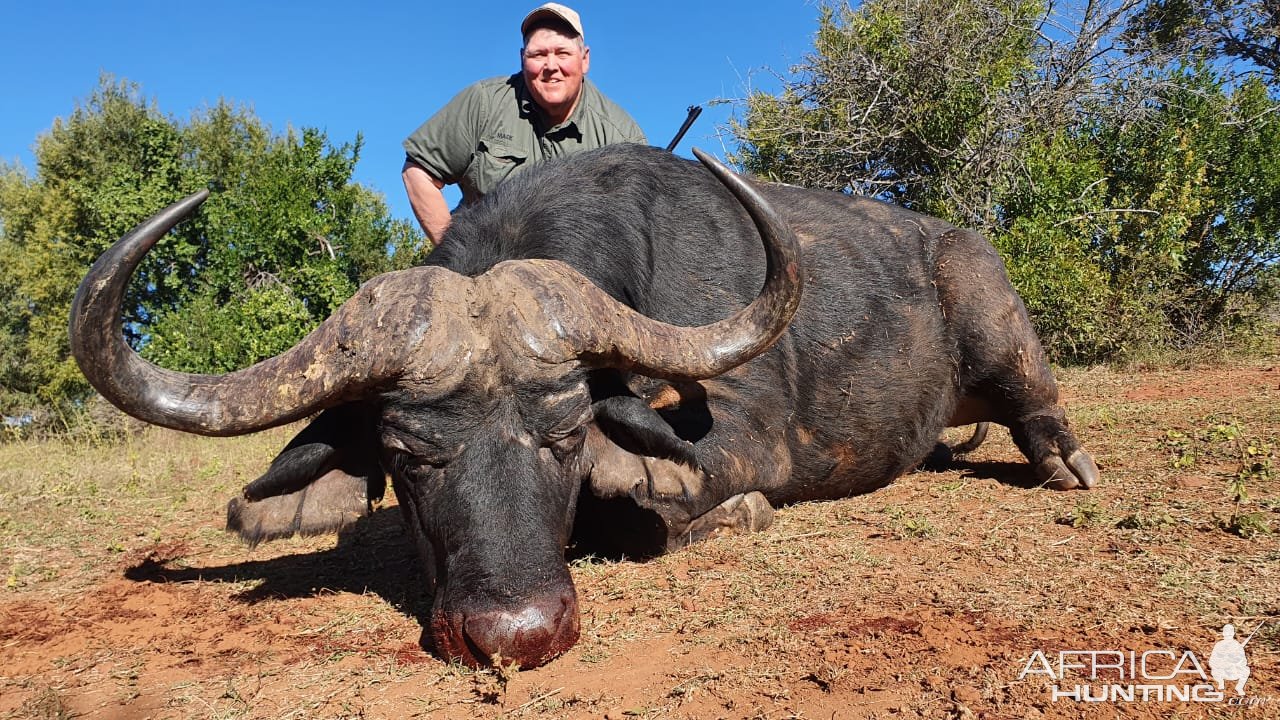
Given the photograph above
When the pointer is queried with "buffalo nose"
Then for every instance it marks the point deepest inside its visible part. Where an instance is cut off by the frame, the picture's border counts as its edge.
(528, 636)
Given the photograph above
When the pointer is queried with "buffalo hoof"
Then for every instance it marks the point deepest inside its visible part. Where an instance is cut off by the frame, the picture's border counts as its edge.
(526, 637)
(1079, 471)
(749, 512)
(329, 504)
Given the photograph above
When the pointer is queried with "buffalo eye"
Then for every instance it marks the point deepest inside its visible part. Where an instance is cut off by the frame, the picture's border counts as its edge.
(409, 451)
(565, 446)
(567, 420)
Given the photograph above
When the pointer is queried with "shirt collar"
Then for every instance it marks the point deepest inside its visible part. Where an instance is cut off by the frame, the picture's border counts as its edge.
(529, 109)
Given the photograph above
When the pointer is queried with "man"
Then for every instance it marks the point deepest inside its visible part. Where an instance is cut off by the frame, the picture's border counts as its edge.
(1227, 661)
(504, 125)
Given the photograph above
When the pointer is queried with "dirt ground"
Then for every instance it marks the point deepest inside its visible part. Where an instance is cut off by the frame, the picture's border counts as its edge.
(960, 593)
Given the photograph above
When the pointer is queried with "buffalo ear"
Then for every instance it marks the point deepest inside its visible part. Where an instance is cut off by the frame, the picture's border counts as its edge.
(323, 480)
(338, 436)
(637, 428)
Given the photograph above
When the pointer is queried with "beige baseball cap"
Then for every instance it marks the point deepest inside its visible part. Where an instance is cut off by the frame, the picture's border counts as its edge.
(554, 11)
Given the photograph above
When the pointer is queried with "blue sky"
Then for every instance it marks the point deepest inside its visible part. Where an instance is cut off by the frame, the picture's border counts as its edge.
(381, 68)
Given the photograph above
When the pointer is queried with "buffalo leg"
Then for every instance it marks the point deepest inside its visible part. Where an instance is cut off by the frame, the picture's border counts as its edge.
(692, 503)
(745, 513)
(1003, 372)
(943, 454)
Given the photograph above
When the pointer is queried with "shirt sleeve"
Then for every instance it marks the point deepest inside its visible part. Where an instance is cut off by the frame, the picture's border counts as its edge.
(445, 143)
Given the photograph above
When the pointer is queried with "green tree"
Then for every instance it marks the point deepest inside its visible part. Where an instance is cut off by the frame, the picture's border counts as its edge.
(1246, 31)
(901, 99)
(98, 171)
(1048, 237)
(1131, 190)
(285, 238)
(1201, 172)
(18, 381)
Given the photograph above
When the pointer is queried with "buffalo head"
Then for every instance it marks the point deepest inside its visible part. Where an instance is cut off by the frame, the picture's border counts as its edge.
(472, 393)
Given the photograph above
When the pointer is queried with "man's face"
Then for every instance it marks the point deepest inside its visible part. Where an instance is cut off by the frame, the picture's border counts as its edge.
(554, 65)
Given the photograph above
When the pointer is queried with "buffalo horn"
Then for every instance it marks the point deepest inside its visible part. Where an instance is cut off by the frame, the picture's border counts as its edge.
(613, 335)
(365, 343)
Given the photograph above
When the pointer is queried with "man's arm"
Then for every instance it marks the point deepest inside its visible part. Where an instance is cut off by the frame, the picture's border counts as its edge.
(440, 151)
(427, 200)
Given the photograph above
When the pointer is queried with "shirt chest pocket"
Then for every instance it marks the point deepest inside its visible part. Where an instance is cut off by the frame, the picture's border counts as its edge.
(495, 161)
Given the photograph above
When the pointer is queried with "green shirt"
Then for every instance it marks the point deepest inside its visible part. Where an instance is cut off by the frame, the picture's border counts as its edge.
(493, 130)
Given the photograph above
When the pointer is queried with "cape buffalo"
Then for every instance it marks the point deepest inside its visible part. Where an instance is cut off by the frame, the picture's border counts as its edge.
(584, 351)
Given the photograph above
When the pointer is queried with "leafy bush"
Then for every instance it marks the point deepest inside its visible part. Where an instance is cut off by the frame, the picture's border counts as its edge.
(285, 238)
(1132, 185)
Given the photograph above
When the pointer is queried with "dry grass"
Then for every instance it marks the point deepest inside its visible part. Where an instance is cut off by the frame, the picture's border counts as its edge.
(68, 508)
(923, 599)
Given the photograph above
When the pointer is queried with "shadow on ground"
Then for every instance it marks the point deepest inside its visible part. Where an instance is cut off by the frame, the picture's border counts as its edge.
(1013, 474)
(371, 556)
(374, 555)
